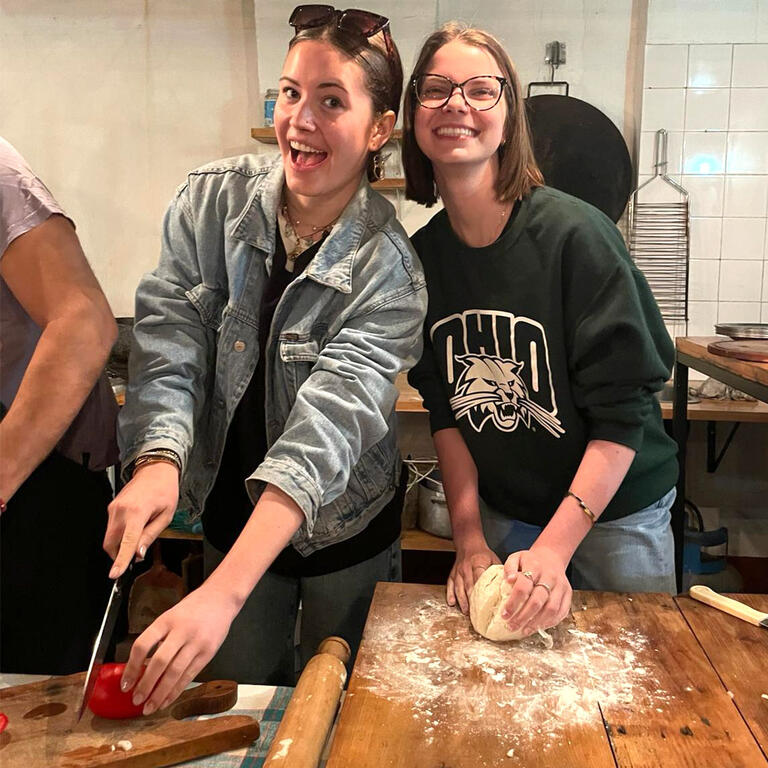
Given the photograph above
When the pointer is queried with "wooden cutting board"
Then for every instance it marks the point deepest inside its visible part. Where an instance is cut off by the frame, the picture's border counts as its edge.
(752, 351)
(42, 731)
(625, 684)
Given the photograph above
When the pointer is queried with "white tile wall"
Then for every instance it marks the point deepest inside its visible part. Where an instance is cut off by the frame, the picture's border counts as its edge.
(747, 152)
(702, 21)
(749, 109)
(663, 108)
(740, 280)
(703, 279)
(712, 97)
(738, 312)
(743, 238)
(709, 66)
(703, 316)
(746, 196)
(750, 66)
(704, 153)
(765, 284)
(705, 236)
(666, 66)
(706, 109)
(706, 194)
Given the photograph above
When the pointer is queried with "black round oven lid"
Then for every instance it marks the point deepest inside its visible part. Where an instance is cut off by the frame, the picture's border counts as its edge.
(580, 151)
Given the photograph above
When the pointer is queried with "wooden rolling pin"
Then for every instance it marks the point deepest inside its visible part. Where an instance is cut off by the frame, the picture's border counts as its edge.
(308, 718)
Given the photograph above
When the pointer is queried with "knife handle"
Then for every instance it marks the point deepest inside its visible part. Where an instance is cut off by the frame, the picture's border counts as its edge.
(723, 603)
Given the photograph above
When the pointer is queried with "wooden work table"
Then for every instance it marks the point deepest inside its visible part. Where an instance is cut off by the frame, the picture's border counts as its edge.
(632, 680)
(752, 378)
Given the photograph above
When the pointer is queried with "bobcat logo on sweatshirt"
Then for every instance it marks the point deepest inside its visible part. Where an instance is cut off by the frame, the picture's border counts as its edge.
(497, 365)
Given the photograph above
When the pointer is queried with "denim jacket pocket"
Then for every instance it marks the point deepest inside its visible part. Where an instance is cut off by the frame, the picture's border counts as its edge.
(209, 303)
(305, 351)
(298, 358)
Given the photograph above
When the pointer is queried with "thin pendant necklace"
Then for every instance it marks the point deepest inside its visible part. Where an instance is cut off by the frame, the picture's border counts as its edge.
(296, 244)
(498, 229)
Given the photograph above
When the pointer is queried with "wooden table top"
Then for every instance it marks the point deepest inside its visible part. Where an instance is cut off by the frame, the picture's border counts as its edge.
(632, 680)
(696, 347)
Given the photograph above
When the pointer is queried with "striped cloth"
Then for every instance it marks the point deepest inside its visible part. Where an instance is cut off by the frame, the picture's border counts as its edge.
(267, 704)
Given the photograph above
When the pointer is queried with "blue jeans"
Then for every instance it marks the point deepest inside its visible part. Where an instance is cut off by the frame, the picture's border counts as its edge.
(632, 554)
(260, 647)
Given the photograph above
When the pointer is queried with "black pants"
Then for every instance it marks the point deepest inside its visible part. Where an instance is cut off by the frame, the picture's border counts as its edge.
(54, 580)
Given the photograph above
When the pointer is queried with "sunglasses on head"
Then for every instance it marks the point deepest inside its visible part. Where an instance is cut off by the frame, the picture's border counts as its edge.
(353, 20)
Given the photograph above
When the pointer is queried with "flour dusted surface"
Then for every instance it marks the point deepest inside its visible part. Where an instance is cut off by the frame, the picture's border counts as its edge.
(514, 692)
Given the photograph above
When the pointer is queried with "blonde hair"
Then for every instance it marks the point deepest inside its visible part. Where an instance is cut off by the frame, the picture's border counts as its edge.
(518, 170)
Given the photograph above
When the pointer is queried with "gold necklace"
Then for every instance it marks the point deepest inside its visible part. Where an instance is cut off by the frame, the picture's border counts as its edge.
(299, 243)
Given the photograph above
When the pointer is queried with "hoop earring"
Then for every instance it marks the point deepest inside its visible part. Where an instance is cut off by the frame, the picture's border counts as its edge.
(378, 167)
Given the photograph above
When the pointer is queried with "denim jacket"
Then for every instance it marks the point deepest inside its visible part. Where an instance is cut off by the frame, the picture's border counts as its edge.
(340, 334)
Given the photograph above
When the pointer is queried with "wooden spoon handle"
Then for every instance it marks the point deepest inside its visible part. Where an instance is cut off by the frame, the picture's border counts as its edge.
(723, 603)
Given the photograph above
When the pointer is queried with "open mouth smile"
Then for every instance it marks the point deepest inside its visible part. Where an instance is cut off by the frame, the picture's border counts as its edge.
(305, 156)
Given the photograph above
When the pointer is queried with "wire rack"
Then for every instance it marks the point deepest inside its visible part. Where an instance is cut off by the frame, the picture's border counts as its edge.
(659, 236)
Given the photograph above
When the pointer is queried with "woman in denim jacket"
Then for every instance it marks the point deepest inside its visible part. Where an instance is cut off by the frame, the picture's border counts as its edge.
(262, 379)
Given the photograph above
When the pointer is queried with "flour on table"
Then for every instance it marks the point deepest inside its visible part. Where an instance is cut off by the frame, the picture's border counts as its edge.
(514, 691)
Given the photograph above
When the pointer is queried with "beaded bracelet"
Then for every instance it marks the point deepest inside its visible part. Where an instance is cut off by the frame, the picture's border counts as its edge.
(587, 511)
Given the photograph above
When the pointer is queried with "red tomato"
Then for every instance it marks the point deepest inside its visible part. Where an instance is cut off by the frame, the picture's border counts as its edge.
(107, 700)
(3, 721)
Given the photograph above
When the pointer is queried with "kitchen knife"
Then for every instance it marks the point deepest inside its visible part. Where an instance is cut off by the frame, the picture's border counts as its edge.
(103, 637)
(733, 607)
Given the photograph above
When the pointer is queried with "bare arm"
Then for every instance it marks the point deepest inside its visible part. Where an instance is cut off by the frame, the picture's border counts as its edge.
(182, 649)
(49, 275)
(601, 471)
(473, 555)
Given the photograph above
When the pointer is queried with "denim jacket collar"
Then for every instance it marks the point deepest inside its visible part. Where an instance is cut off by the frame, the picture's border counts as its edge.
(332, 265)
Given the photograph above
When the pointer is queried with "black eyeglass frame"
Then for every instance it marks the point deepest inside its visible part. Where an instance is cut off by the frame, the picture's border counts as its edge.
(344, 21)
(503, 82)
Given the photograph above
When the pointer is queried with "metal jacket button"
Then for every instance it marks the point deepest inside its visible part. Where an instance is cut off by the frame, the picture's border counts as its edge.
(239, 346)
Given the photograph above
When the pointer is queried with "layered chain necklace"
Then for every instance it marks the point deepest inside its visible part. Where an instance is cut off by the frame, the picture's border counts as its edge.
(296, 244)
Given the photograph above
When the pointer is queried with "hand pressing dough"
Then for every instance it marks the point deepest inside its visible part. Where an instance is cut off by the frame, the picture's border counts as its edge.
(487, 601)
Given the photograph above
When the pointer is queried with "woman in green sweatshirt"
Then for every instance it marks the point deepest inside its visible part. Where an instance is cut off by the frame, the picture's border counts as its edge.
(543, 350)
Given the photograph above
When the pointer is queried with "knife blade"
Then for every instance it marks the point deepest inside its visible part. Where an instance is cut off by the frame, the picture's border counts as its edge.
(103, 637)
(729, 605)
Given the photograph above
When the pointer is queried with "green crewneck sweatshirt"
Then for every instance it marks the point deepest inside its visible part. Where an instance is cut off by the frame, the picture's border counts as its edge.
(538, 343)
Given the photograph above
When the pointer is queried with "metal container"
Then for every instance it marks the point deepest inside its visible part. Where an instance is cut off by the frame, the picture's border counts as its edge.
(433, 509)
(739, 331)
(270, 98)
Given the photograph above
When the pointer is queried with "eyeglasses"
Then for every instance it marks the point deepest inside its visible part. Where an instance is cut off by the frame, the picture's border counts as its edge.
(352, 20)
(480, 93)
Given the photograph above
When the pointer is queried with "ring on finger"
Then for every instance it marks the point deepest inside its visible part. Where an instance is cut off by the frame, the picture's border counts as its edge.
(529, 575)
(546, 586)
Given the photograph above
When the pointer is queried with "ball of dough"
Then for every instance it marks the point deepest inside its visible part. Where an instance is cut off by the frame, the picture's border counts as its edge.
(487, 601)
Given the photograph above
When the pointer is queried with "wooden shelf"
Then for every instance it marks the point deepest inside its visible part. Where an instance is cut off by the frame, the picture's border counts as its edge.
(172, 533)
(266, 135)
(707, 410)
(416, 539)
(413, 538)
(388, 184)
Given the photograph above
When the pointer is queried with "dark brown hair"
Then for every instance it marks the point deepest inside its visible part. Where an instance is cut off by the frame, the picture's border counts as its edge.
(382, 68)
(518, 170)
